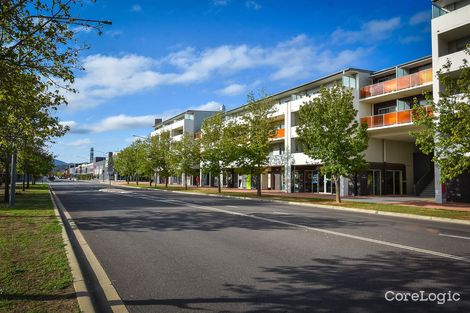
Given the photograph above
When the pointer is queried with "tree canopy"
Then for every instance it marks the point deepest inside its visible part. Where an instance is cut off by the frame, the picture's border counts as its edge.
(329, 132)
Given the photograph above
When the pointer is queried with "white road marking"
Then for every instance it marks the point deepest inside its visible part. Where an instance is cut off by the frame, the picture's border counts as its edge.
(325, 231)
(232, 206)
(454, 236)
(280, 213)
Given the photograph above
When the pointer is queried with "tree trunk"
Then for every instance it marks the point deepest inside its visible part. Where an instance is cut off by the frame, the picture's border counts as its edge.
(27, 181)
(127, 180)
(338, 197)
(258, 186)
(219, 186)
(24, 181)
(137, 179)
(185, 182)
(166, 182)
(6, 177)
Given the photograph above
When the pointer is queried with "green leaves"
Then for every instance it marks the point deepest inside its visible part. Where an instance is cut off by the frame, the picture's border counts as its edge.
(329, 131)
(446, 132)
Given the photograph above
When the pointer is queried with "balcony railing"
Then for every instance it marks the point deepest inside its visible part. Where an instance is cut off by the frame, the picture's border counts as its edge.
(278, 133)
(392, 118)
(404, 82)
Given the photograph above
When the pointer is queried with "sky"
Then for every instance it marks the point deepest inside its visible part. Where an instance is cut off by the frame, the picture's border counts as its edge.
(160, 58)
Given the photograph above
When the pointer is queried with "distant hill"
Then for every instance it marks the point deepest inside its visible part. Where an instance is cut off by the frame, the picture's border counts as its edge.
(59, 162)
(60, 165)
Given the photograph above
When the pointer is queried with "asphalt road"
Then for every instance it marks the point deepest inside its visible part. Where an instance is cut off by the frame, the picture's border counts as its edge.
(170, 252)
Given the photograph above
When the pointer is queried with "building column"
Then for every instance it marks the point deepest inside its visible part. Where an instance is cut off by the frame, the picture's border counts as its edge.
(288, 177)
(439, 189)
(343, 186)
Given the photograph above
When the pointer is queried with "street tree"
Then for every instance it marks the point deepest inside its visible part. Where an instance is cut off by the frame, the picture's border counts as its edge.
(329, 132)
(254, 131)
(446, 132)
(160, 155)
(218, 145)
(38, 54)
(125, 163)
(140, 154)
(185, 156)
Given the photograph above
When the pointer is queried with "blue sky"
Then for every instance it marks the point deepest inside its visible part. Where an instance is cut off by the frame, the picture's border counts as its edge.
(162, 57)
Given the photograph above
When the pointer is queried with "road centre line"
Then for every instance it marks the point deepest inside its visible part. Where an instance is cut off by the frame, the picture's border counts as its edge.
(455, 236)
(325, 231)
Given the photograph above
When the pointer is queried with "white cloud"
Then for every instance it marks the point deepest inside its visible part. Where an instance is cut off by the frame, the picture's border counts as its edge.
(220, 2)
(82, 29)
(79, 142)
(421, 17)
(108, 77)
(411, 39)
(252, 5)
(232, 90)
(112, 123)
(209, 106)
(370, 32)
(136, 8)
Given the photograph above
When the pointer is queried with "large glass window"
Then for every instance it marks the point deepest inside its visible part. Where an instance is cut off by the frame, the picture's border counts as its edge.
(374, 182)
(349, 82)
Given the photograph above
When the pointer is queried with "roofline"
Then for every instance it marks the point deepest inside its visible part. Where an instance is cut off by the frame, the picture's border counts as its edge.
(280, 94)
(182, 114)
(401, 65)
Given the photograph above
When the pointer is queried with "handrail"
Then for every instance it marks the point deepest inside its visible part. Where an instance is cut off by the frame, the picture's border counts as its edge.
(423, 181)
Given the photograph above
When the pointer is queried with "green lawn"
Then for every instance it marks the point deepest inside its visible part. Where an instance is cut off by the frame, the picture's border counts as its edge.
(384, 207)
(34, 271)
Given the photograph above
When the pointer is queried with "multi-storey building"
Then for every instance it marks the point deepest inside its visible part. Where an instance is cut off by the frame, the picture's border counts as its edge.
(450, 31)
(396, 166)
(289, 169)
(190, 122)
(383, 100)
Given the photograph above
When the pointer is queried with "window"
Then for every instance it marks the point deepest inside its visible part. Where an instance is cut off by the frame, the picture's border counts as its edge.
(294, 118)
(349, 82)
(296, 146)
(189, 116)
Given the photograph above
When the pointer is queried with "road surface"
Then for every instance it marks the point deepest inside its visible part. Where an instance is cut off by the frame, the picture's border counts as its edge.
(173, 252)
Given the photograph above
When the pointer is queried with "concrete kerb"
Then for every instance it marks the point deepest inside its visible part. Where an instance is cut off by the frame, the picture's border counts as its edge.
(323, 206)
(83, 296)
(112, 297)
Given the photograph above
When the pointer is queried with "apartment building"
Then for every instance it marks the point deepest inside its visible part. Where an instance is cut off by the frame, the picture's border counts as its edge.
(383, 100)
(190, 122)
(450, 31)
(289, 169)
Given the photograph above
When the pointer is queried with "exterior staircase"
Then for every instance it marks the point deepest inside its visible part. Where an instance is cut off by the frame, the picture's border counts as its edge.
(428, 191)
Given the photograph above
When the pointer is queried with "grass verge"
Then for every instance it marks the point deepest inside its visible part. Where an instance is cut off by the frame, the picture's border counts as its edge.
(34, 270)
(383, 207)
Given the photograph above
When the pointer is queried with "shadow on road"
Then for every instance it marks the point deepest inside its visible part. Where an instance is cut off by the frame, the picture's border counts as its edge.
(141, 221)
(338, 284)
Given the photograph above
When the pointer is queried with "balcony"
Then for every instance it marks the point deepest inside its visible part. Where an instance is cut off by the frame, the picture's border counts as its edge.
(277, 134)
(401, 83)
(391, 119)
